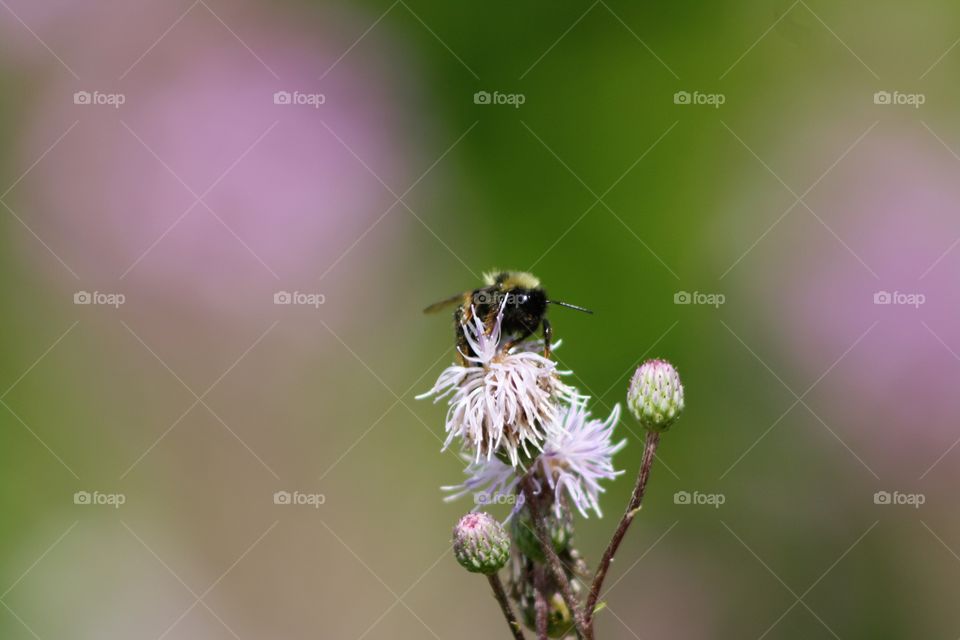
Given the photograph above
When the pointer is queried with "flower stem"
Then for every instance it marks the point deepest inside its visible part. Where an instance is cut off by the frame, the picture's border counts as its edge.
(540, 595)
(650, 449)
(501, 597)
(553, 560)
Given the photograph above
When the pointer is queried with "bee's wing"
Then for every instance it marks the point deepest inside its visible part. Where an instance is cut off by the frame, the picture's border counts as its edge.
(443, 304)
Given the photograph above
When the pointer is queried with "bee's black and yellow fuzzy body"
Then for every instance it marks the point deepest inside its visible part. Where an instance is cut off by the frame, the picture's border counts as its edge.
(524, 305)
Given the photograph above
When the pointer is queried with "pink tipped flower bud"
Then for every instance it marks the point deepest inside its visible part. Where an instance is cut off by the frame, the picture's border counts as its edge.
(655, 396)
(480, 543)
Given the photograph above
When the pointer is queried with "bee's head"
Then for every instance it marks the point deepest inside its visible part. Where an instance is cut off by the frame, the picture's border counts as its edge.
(531, 303)
(536, 299)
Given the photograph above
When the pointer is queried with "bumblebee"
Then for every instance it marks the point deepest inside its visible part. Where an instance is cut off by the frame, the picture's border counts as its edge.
(524, 304)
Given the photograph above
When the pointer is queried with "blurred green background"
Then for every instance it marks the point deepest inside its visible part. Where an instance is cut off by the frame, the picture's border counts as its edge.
(792, 204)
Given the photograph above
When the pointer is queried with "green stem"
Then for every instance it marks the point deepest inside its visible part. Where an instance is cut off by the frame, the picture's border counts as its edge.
(540, 599)
(653, 439)
(501, 597)
(553, 560)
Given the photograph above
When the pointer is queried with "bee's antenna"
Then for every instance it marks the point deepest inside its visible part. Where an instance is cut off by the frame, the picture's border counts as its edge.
(569, 306)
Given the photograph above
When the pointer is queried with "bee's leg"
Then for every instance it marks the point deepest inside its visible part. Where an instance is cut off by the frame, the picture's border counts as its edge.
(463, 347)
(490, 320)
(523, 335)
(547, 337)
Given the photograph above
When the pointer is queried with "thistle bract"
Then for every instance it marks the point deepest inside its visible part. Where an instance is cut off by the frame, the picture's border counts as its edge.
(655, 396)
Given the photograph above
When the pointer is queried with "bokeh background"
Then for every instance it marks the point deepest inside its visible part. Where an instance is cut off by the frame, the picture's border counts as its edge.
(778, 165)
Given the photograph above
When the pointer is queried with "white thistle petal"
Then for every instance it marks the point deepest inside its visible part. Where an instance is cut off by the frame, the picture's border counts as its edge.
(500, 401)
(577, 456)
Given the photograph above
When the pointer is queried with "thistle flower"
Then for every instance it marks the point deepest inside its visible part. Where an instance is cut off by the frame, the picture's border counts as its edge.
(500, 402)
(489, 482)
(577, 455)
(480, 543)
(655, 396)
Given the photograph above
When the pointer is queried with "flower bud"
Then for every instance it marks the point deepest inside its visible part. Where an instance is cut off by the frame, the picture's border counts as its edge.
(559, 620)
(480, 543)
(655, 396)
(525, 535)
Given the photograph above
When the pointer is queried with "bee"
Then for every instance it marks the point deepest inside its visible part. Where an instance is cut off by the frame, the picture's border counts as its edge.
(524, 304)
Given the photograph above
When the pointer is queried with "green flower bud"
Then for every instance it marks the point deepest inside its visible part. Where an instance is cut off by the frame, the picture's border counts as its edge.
(525, 535)
(480, 543)
(559, 619)
(655, 396)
